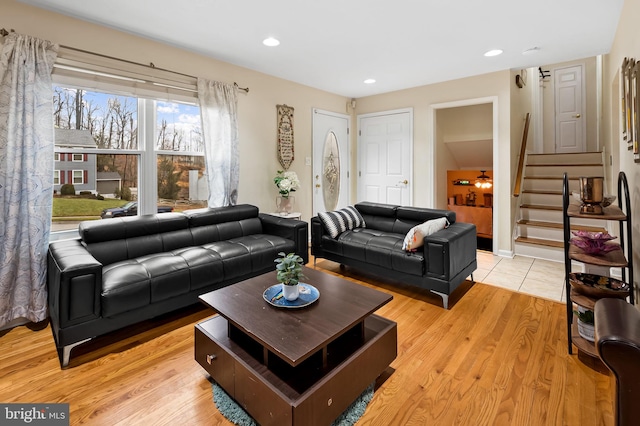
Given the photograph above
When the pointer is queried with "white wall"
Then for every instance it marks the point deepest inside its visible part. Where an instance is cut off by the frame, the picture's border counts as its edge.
(257, 109)
(625, 44)
(466, 123)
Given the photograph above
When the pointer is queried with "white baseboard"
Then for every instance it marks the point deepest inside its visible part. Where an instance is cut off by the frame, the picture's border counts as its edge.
(505, 253)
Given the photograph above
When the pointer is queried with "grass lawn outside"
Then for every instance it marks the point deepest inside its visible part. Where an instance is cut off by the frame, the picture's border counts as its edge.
(75, 208)
(78, 208)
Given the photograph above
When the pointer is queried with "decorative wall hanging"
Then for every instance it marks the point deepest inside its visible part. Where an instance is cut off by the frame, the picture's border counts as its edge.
(635, 99)
(628, 102)
(285, 135)
(625, 90)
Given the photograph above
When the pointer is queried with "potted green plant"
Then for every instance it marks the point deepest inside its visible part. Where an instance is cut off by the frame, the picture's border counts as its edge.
(289, 273)
(586, 323)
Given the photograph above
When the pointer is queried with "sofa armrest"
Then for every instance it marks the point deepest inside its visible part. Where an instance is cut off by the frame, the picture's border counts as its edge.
(74, 279)
(617, 341)
(317, 232)
(295, 230)
(450, 250)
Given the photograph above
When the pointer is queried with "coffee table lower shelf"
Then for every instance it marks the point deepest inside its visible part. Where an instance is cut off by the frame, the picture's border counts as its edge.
(311, 393)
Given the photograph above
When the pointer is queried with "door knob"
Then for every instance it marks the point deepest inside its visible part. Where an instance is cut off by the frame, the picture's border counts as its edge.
(577, 115)
(406, 182)
(317, 185)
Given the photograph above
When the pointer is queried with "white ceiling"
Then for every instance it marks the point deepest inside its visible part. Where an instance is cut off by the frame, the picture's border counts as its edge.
(334, 45)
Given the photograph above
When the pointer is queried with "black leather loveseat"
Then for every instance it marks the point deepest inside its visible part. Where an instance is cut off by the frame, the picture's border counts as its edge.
(447, 258)
(125, 270)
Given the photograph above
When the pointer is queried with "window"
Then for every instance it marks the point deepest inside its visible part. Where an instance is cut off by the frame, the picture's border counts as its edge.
(56, 156)
(78, 177)
(56, 177)
(131, 149)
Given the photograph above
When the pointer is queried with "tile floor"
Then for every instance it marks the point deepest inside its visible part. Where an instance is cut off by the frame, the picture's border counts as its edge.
(537, 277)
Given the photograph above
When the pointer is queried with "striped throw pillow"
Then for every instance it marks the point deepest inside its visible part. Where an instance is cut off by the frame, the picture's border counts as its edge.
(338, 221)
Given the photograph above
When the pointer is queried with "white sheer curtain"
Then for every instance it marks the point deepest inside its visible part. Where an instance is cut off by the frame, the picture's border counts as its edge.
(26, 175)
(219, 110)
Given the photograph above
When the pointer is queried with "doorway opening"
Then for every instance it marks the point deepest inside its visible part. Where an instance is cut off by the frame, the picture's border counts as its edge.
(465, 147)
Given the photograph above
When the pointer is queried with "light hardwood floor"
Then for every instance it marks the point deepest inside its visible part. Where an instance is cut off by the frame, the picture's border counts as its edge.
(497, 357)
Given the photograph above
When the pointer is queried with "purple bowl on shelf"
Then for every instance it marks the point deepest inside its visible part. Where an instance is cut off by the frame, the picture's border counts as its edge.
(594, 242)
(597, 236)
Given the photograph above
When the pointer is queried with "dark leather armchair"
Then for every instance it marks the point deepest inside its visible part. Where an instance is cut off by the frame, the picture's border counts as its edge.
(617, 335)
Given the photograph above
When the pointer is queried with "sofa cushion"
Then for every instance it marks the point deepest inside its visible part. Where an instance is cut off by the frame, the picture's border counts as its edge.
(119, 239)
(125, 286)
(379, 216)
(169, 275)
(338, 221)
(408, 217)
(415, 237)
(380, 248)
(205, 266)
(226, 230)
(251, 253)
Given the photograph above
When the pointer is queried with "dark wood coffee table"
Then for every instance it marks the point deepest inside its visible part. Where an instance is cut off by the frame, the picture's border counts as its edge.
(296, 366)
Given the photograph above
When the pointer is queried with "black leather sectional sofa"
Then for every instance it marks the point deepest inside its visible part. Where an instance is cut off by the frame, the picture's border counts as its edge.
(447, 258)
(126, 270)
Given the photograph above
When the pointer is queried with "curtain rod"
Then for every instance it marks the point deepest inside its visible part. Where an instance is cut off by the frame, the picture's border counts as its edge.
(4, 33)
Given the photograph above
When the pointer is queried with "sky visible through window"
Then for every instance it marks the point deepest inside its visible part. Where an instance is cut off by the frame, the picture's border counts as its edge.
(179, 123)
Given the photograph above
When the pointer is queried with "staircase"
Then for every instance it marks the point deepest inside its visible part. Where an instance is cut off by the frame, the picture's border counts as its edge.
(539, 230)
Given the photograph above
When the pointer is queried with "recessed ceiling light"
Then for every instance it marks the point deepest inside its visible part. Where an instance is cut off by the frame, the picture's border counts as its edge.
(271, 42)
(494, 52)
(370, 81)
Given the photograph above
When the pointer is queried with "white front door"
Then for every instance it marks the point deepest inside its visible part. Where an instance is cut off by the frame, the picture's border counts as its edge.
(384, 157)
(330, 161)
(570, 114)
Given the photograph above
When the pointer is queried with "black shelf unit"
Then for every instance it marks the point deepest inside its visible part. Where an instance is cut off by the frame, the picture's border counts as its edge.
(622, 258)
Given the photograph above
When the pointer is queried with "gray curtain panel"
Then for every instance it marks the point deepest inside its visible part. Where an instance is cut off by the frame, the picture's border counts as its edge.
(219, 111)
(26, 175)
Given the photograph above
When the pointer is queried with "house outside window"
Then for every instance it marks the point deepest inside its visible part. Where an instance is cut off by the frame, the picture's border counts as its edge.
(56, 177)
(78, 169)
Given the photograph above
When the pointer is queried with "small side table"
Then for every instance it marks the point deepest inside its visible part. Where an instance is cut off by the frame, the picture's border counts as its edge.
(292, 215)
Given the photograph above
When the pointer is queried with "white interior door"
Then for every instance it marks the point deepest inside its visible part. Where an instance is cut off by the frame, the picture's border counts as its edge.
(570, 119)
(384, 157)
(330, 161)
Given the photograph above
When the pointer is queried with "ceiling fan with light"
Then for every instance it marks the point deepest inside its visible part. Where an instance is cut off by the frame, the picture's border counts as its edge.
(483, 181)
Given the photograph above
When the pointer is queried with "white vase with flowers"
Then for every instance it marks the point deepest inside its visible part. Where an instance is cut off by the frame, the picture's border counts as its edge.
(286, 182)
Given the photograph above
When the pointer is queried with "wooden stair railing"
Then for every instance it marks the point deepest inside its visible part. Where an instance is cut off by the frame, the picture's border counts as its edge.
(523, 148)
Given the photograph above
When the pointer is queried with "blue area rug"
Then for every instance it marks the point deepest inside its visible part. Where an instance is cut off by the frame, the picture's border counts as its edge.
(236, 415)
